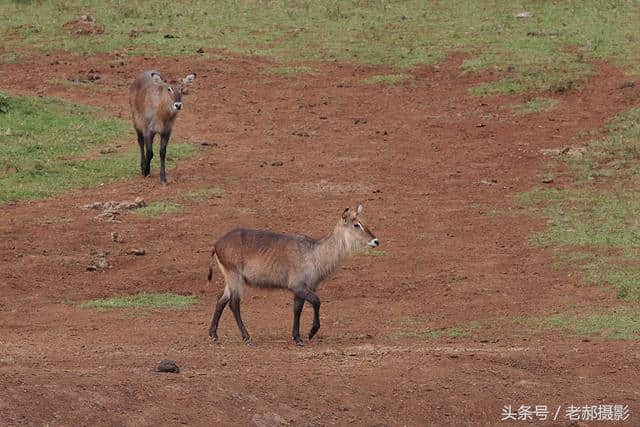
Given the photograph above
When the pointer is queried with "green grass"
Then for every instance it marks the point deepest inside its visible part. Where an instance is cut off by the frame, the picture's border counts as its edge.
(47, 147)
(395, 33)
(371, 252)
(160, 208)
(414, 327)
(166, 300)
(290, 70)
(594, 224)
(202, 193)
(387, 79)
(536, 105)
(618, 323)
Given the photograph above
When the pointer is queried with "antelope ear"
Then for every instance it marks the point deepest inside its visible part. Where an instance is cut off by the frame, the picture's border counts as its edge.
(156, 78)
(345, 214)
(189, 79)
(359, 210)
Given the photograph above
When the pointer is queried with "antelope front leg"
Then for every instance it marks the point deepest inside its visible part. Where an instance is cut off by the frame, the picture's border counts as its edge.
(298, 303)
(164, 140)
(313, 299)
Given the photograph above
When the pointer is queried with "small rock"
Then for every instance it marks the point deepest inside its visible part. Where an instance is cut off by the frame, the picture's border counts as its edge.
(108, 150)
(116, 237)
(169, 36)
(168, 366)
(137, 252)
(547, 180)
(200, 50)
(87, 18)
(343, 84)
(139, 201)
(360, 121)
(480, 125)
(93, 75)
(98, 264)
(626, 85)
(543, 33)
(277, 163)
(490, 181)
(523, 15)
(94, 205)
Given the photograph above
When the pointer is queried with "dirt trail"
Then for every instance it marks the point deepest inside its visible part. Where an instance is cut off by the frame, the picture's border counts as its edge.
(421, 157)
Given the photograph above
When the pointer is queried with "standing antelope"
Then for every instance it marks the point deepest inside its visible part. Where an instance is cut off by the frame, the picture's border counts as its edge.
(265, 259)
(154, 108)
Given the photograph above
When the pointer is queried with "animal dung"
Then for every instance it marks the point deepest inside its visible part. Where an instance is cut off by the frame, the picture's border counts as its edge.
(168, 366)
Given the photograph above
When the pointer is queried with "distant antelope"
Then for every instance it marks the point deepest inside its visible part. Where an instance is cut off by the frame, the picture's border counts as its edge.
(289, 261)
(154, 108)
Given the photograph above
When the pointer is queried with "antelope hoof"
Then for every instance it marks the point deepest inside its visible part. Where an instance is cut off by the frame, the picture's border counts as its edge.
(249, 342)
(215, 340)
(299, 341)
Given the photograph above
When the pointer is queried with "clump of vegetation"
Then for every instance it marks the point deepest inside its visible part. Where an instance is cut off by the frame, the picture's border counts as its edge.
(4, 103)
(165, 300)
(160, 208)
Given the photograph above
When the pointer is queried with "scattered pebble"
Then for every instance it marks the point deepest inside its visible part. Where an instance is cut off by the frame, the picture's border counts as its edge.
(523, 15)
(137, 252)
(168, 366)
(116, 237)
(626, 85)
(360, 121)
(99, 263)
(200, 50)
(277, 163)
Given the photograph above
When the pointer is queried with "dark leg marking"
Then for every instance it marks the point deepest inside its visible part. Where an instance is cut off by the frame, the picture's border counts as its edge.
(148, 142)
(235, 308)
(222, 303)
(164, 140)
(298, 303)
(143, 159)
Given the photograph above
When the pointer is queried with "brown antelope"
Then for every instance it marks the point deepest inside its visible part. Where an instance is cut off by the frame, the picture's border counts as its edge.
(298, 263)
(154, 108)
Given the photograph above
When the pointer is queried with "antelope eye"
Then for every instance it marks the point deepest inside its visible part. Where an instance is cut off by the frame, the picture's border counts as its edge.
(356, 225)
(169, 89)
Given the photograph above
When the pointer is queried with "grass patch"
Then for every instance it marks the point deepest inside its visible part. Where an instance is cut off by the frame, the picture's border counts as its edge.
(167, 300)
(387, 79)
(289, 70)
(202, 193)
(401, 34)
(536, 105)
(44, 147)
(594, 224)
(371, 252)
(160, 208)
(618, 323)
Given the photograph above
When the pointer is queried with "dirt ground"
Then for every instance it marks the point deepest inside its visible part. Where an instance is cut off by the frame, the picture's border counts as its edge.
(437, 171)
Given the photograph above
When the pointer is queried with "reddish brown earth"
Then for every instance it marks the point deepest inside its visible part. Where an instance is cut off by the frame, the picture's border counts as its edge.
(417, 164)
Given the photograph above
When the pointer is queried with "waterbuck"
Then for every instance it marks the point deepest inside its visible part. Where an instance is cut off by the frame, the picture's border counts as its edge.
(154, 108)
(298, 263)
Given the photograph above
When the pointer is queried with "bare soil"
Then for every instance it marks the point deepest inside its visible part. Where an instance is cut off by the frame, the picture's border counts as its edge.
(437, 171)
